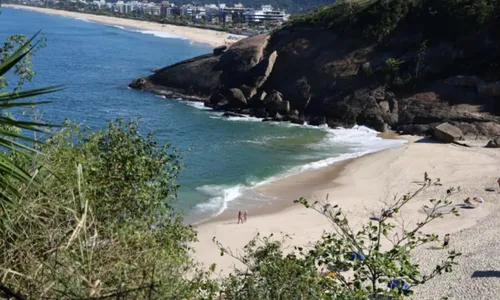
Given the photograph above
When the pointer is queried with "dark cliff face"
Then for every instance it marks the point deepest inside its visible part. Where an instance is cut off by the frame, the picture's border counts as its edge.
(408, 80)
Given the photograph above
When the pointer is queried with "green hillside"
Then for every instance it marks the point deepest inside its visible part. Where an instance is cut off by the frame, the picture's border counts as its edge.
(436, 19)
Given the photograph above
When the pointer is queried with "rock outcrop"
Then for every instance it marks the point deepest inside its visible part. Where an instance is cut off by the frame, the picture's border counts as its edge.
(311, 73)
(235, 98)
(495, 143)
(219, 50)
(447, 133)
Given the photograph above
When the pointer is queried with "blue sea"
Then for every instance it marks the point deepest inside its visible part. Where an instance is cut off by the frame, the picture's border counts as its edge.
(224, 158)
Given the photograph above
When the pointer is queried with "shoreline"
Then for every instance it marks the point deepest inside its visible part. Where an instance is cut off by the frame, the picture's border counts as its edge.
(282, 202)
(360, 186)
(306, 182)
(302, 182)
(204, 36)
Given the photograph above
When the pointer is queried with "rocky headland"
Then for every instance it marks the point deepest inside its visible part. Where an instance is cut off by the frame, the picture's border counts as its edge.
(407, 66)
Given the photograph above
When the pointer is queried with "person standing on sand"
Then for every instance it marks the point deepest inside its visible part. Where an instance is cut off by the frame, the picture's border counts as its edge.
(498, 181)
(427, 180)
(245, 216)
(446, 241)
(239, 217)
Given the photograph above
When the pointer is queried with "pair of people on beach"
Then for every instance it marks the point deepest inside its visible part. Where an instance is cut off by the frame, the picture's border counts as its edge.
(427, 180)
(242, 217)
(469, 204)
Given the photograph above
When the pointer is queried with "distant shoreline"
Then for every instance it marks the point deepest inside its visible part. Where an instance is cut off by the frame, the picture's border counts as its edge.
(204, 36)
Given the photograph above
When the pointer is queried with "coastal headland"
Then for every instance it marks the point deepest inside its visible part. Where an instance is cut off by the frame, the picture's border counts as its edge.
(203, 36)
(321, 69)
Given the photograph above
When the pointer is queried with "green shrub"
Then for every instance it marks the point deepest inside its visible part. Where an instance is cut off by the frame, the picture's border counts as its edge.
(376, 19)
(104, 224)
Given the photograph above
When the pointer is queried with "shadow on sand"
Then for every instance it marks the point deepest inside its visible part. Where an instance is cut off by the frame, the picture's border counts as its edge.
(482, 274)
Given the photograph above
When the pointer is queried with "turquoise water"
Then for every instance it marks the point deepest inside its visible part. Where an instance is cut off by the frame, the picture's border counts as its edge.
(222, 157)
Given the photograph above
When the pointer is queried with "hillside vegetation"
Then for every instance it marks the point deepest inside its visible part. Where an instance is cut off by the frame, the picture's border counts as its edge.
(435, 19)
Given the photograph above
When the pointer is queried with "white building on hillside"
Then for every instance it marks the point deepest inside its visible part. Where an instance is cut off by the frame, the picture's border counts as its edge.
(265, 14)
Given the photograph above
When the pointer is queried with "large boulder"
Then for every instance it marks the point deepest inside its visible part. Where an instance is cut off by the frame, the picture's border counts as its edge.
(378, 93)
(257, 100)
(393, 116)
(194, 77)
(248, 91)
(139, 83)
(301, 93)
(447, 133)
(274, 104)
(259, 74)
(219, 50)
(385, 108)
(372, 116)
(261, 113)
(241, 57)
(494, 143)
(221, 105)
(235, 98)
(216, 97)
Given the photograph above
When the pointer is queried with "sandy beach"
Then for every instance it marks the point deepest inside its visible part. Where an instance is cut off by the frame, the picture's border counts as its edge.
(360, 186)
(204, 36)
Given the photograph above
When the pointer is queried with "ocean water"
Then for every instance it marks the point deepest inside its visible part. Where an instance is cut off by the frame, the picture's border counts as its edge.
(223, 158)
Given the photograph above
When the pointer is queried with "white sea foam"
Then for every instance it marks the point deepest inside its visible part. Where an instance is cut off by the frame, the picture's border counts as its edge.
(162, 34)
(358, 141)
(220, 196)
(245, 119)
(83, 19)
(118, 26)
(197, 104)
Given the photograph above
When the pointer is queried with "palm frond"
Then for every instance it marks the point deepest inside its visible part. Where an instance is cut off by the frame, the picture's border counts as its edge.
(9, 96)
(17, 56)
(12, 176)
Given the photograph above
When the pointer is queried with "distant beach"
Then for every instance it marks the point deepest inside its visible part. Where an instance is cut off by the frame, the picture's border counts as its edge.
(198, 35)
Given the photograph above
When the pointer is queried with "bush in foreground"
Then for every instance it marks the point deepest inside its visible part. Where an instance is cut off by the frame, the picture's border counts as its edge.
(103, 225)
